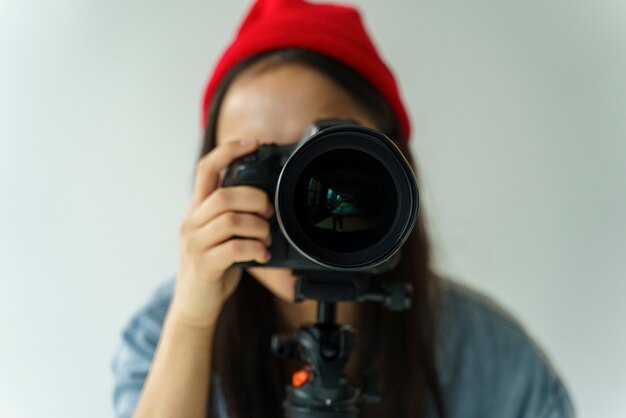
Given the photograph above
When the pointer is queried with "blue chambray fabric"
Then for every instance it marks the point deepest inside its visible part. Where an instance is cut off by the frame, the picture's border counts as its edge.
(488, 364)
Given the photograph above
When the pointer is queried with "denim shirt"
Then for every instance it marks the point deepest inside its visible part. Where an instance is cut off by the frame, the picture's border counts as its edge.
(489, 367)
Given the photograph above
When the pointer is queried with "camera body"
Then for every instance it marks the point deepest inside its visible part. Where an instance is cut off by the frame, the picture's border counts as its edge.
(262, 168)
(339, 173)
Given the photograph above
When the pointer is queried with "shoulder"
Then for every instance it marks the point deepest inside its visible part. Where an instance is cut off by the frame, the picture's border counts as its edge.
(135, 349)
(144, 326)
(141, 333)
(489, 364)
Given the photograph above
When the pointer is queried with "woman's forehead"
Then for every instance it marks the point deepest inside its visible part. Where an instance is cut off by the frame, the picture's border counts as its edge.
(277, 104)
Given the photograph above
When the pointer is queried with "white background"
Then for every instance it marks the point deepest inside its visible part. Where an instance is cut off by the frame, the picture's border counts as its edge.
(519, 133)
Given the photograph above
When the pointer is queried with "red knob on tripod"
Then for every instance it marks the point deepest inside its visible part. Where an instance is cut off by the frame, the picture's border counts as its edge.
(299, 378)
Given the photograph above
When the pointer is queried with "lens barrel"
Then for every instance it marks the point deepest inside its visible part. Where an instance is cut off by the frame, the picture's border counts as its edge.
(346, 198)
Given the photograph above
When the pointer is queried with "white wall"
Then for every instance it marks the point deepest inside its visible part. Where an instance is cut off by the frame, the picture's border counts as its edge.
(519, 116)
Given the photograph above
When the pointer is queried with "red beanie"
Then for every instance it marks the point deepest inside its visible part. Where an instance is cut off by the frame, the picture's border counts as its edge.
(333, 30)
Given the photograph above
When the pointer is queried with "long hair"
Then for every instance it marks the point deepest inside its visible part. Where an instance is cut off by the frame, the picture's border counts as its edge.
(398, 346)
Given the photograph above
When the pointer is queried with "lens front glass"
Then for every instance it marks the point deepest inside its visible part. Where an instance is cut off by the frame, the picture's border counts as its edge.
(345, 200)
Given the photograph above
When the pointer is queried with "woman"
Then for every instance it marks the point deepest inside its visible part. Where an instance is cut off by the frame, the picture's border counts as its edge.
(205, 335)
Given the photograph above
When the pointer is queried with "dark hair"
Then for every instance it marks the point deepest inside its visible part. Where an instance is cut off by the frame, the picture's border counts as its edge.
(398, 346)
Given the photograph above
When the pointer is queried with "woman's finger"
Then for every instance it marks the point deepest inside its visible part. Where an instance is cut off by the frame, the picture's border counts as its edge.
(241, 198)
(237, 250)
(209, 167)
(229, 225)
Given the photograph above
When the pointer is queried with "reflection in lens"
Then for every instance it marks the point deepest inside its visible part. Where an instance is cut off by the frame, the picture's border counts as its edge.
(343, 206)
(341, 201)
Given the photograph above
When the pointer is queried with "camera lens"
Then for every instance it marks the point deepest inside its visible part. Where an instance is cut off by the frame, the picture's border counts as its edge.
(347, 198)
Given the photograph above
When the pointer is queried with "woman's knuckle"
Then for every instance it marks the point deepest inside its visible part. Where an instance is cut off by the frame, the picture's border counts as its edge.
(183, 227)
(222, 196)
(234, 248)
(190, 243)
(231, 220)
(205, 162)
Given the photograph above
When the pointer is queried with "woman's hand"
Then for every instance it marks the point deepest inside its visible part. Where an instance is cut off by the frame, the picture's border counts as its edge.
(205, 277)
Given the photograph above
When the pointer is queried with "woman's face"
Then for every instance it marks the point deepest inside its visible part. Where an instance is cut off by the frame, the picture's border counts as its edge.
(276, 105)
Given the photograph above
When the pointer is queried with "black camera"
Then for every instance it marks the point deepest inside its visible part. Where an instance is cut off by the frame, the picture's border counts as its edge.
(345, 198)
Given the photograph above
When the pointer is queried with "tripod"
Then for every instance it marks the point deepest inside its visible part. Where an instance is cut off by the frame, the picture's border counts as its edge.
(320, 388)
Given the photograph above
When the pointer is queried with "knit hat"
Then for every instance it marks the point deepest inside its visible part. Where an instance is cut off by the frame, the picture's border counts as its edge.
(331, 29)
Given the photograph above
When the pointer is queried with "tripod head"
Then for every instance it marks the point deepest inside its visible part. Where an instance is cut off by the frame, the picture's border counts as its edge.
(320, 388)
